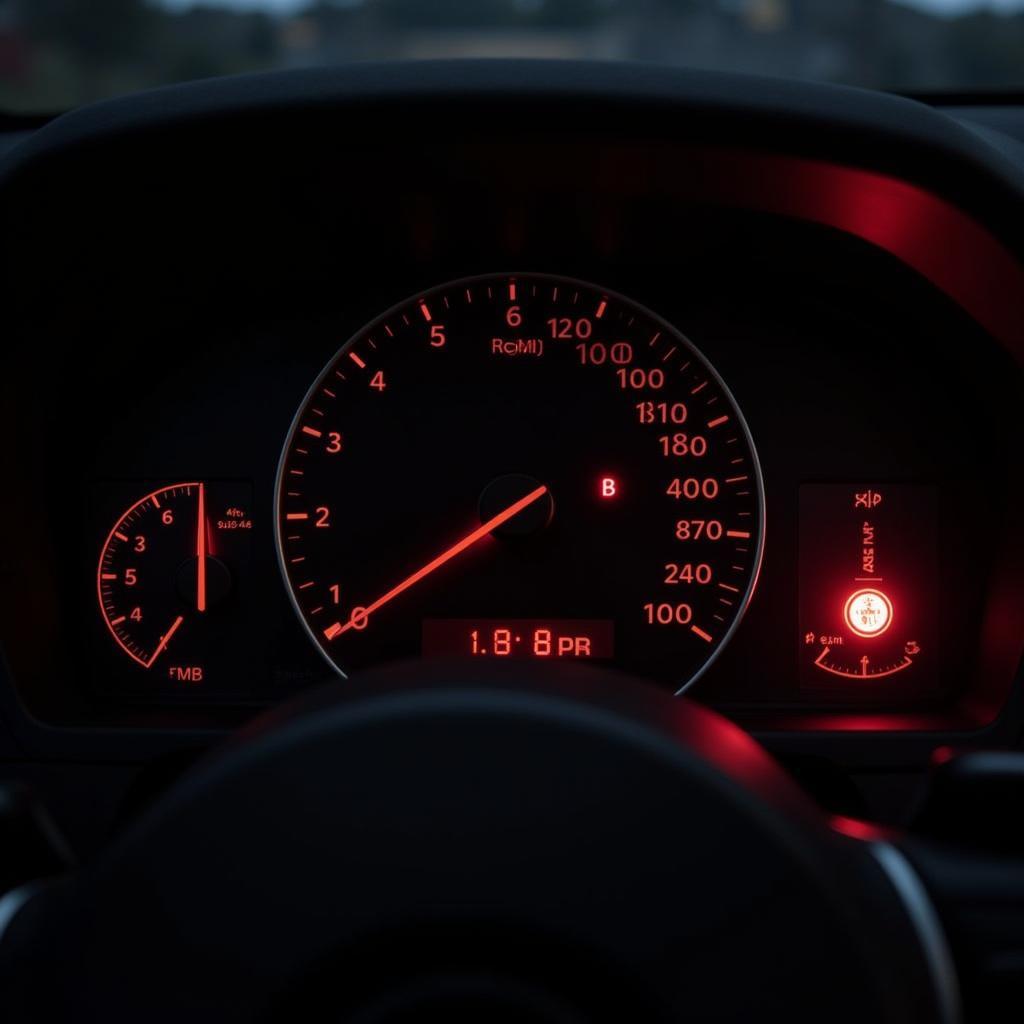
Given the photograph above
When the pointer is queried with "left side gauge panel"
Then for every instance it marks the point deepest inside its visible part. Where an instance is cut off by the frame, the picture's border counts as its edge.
(167, 579)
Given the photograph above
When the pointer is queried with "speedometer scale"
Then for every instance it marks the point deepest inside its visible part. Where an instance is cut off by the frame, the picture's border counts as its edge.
(521, 467)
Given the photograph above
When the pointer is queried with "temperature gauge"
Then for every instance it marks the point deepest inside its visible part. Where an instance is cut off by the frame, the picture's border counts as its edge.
(867, 584)
(167, 571)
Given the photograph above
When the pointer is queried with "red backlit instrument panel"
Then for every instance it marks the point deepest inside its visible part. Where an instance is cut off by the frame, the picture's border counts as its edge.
(521, 466)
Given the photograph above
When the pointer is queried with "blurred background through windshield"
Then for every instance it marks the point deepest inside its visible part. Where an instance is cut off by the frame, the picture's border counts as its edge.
(55, 54)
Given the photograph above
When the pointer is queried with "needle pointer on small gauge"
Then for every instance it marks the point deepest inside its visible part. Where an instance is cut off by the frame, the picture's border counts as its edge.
(360, 615)
(201, 551)
(165, 640)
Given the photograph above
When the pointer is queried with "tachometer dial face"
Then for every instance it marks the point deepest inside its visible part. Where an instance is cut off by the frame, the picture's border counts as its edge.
(521, 467)
(164, 575)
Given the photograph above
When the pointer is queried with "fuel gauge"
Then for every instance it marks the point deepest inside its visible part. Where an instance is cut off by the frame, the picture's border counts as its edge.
(868, 555)
(167, 571)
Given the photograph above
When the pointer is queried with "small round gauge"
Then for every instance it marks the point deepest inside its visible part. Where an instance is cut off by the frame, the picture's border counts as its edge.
(521, 466)
(159, 576)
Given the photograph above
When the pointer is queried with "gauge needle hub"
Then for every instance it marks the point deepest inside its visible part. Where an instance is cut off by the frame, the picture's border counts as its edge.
(360, 615)
(201, 551)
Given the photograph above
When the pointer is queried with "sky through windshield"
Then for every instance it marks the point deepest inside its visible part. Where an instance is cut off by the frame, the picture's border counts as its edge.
(55, 54)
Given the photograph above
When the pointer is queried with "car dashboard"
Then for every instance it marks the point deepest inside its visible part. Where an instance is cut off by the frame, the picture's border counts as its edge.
(713, 382)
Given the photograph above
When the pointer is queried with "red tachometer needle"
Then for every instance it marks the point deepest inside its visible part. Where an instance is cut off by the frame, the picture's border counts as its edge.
(360, 615)
(165, 639)
(201, 552)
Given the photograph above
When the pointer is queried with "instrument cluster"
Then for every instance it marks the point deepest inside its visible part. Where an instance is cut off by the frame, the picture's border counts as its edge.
(526, 467)
(285, 433)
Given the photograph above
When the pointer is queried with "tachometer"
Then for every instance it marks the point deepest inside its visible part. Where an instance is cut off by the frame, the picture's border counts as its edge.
(521, 467)
(166, 575)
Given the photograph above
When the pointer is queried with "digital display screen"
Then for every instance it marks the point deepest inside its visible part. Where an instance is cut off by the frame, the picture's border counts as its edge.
(519, 638)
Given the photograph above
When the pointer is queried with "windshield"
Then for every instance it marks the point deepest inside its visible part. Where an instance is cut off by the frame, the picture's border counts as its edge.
(56, 54)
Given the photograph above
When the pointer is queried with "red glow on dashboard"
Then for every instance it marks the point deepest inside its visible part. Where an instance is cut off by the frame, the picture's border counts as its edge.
(868, 612)
(856, 828)
(938, 240)
(609, 487)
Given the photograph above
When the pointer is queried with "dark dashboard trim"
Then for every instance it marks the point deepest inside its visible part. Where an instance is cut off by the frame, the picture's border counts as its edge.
(892, 171)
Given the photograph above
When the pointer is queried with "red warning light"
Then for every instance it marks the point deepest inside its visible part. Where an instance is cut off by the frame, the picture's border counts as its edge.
(609, 487)
(868, 612)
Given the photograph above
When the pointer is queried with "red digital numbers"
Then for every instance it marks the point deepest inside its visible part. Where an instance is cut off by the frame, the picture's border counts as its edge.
(517, 638)
(540, 643)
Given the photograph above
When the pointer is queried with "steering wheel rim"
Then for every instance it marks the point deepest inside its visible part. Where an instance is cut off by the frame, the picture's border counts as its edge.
(549, 845)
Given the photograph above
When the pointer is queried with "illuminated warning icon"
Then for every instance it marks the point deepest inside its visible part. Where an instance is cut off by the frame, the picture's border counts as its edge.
(911, 648)
(867, 499)
(868, 612)
(808, 638)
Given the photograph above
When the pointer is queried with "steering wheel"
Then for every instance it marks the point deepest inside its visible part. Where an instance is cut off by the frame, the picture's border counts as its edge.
(445, 843)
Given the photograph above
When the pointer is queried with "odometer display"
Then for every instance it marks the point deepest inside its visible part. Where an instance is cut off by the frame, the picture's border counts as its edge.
(551, 639)
(506, 456)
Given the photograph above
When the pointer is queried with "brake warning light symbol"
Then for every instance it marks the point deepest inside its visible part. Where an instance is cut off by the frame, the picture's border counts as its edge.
(868, 613)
